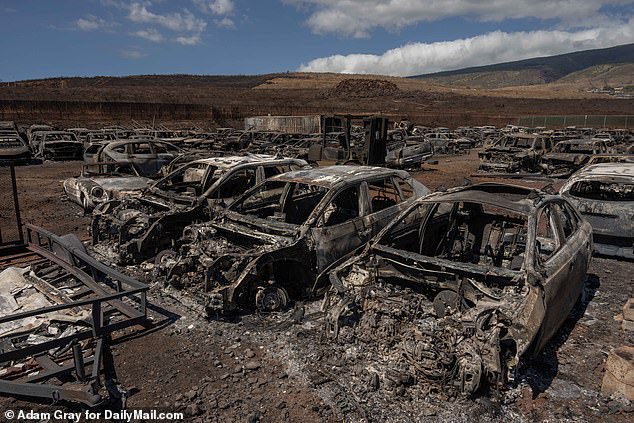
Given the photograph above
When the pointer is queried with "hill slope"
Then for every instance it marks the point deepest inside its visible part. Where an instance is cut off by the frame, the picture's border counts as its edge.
(534, 71)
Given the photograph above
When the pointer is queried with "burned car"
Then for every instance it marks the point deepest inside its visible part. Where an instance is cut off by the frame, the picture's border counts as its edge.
(276, 243)
(139, 228)
(13, 149)
(569, 156)
(464, 284)
(604, 194)
(57, 145)
(410, 152)
(514, 153)
(100, 183)
(147, 156)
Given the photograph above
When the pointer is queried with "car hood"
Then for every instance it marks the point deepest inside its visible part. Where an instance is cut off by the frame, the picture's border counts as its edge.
(132, 183)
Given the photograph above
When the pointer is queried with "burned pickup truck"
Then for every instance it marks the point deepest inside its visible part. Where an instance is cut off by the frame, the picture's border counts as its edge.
(140, 227)
(569, 156)
(464, 284)
(515, 153)
(604, 194)
(276, 243)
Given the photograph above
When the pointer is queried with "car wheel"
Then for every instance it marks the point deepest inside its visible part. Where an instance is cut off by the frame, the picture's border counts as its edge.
(271, 298)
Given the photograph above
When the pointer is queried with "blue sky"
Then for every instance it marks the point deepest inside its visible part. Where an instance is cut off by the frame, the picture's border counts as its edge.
(49, 38)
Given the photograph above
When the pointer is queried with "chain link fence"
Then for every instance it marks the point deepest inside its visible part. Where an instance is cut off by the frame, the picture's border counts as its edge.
(10, 224)
(580, 121)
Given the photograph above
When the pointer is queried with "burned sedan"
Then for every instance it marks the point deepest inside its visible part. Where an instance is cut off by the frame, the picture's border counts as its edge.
(276, 243)
(604, 194)
(140, 227)
(514, 153)
(146, 155)
(464, 284)
(100, 183)
(569, 156)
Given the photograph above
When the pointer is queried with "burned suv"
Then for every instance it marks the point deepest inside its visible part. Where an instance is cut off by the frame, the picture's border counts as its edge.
(514, 153)
(463, 284)
(277, 242)
(136, 229)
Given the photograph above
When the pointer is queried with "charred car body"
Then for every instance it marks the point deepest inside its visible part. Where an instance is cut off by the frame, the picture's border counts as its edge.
(465, 283)
(145, 155)
(514, 153)
(57, 145)
(604, 194)
(276, 243)
(13, 148)
(569, 156)
(143, 226)
(411, 152)
(100, 183)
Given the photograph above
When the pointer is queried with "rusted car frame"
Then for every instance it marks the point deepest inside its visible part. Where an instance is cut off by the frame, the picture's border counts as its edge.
(139, 228)
(514, 153)
(57, 145)
(276, 243)
(568, 156)
(465, 283)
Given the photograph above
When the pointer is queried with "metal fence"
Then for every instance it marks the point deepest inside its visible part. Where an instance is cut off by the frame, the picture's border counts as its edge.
(10, 224)
(581, 121)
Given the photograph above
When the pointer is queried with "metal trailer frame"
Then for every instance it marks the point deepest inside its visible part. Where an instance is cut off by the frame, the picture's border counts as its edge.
(115, 302)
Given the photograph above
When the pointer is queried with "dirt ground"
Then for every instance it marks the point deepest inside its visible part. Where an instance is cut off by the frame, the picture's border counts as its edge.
(269, 368)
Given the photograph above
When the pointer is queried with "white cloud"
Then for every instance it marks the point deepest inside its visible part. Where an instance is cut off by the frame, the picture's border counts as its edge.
(91, 23)
(188, 27)
(132, 53)
(150, 34)
(188, 41)
(221, 7)
(494, 47)
(225, 23)
(358, 17)
(184, 21)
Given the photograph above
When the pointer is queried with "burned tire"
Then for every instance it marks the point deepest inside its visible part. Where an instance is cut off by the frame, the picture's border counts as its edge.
(271, 298)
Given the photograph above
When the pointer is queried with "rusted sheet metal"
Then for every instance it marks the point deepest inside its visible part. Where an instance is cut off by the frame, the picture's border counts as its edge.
(461, 285)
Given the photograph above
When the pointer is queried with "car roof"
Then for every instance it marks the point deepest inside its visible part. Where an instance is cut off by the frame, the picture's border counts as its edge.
(232, 161)
(580, 141)
(606, 170)
(329, 176)
(516, 198)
